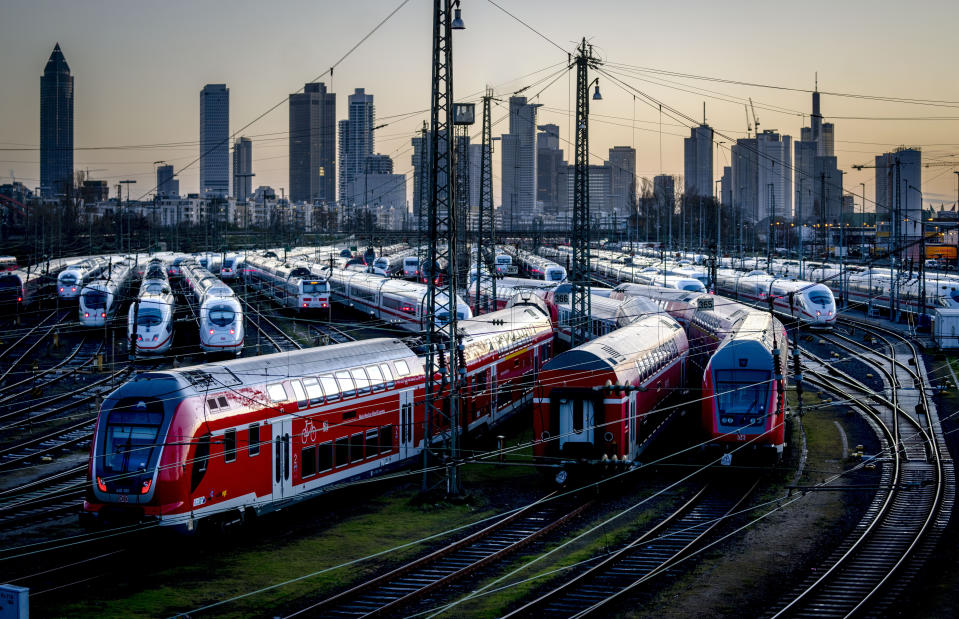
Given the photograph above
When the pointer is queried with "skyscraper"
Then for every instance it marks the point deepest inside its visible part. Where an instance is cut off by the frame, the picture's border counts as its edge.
(550, 170)
(242, 169)
(622, 179)
(56, 126)
(909, 169)
(817, 140)
(519, 161)
(745, 178)
(215, 140)
(775, 172)
(167, 185)
(698, 161)
(313, 144)
(356, 140)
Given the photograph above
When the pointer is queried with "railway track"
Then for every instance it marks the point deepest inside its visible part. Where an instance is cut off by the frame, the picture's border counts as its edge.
(43, 499)
(914, 498)
(324, 334)
(610, 580)
(386, 594)
(82, 355)
(266, 329)
(21, 349)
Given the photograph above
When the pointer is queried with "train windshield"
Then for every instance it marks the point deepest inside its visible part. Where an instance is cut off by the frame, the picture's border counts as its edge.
(820, 298)
(130, 439)
(156, 288)
(94, 299)
(68, 279)
(149, 317)
(742, 392)
(222, 315)
(554, 275)
(315, 287)
(228, 263)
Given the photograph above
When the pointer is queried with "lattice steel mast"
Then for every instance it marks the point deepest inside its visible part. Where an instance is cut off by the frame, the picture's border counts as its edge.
(442, 362)
(486, 234)
(579, 236)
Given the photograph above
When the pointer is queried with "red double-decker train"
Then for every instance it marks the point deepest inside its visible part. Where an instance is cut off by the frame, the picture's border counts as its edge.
(223, 441)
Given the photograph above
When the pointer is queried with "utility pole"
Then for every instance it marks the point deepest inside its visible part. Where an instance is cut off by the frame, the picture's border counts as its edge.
(442, 358)
(486, 235)
(580, 306)
(464, 115)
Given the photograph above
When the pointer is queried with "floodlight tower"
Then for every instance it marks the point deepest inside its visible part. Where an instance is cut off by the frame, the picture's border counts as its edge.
(486, 233)
(579, 236)
(443, 367)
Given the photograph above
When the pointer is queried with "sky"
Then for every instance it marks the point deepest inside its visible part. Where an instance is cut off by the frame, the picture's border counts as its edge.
(139, 67)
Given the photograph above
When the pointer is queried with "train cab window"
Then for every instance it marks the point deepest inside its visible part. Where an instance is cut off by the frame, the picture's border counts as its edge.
(276, 392)
(376, 377)
(345, 382)
(361, 379)
(330, 388)
(372, 442)
(308, 461)
(313, 390)
(356, 447)
(324, 456)
(254, 442)
(342, 451)
(229, 445)
(299, 393)
(386, 439)
(387, 374)
(402, 369)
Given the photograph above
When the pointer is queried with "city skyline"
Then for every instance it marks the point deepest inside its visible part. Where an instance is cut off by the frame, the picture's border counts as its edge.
(116, 107)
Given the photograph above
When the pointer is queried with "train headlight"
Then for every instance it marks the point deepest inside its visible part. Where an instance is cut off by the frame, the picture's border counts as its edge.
(155, 338)
(146, 486)
(61, 290)
(232, 331)
(103, 314)
(139, 338)
(211, 331)
(86, 314)
(101, 484)
(818, 313)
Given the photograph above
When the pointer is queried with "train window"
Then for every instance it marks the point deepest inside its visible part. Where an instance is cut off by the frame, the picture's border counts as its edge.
(276, 392)
(313, 390)
(222, 402)
(372, 444)
(229, 445)
(213, 404)
(376, 377)
(402, 369)
(387, 374)
(386, 439)
(308, 461)
(254, 441)
(362, 381)
(356, 447)
(345, 381)
(324, 452)
(342, 451)
(330, 387)
(200, 459)
(299, 393)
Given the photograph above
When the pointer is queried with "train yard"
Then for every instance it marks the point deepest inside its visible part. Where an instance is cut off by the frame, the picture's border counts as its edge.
(591, 489)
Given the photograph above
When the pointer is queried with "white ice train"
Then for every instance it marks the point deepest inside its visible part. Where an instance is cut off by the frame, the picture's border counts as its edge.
(150, 318)
(220, 315)
(297, 286)
(811, 303)
(101, 298)
(73, 278)
(941, 292)
(397, 302)
(538, 267)
(229, 269)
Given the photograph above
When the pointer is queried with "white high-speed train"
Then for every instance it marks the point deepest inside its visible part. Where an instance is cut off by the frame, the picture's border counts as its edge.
(150, 318)
(101, 298)
(220, 314)
(812, 304)
(73, 278)
(297, 286)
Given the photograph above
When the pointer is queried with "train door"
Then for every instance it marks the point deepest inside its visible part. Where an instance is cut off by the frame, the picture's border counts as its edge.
(407, 438)
(576, 420)
(493, 395)
(632, 448)
(282, 459)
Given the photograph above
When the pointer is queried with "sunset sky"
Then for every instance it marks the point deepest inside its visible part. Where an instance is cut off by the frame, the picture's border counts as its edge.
(139, 68)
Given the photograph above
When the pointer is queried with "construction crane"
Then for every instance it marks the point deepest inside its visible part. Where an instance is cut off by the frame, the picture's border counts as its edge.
(755, 118)
(749, 127)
